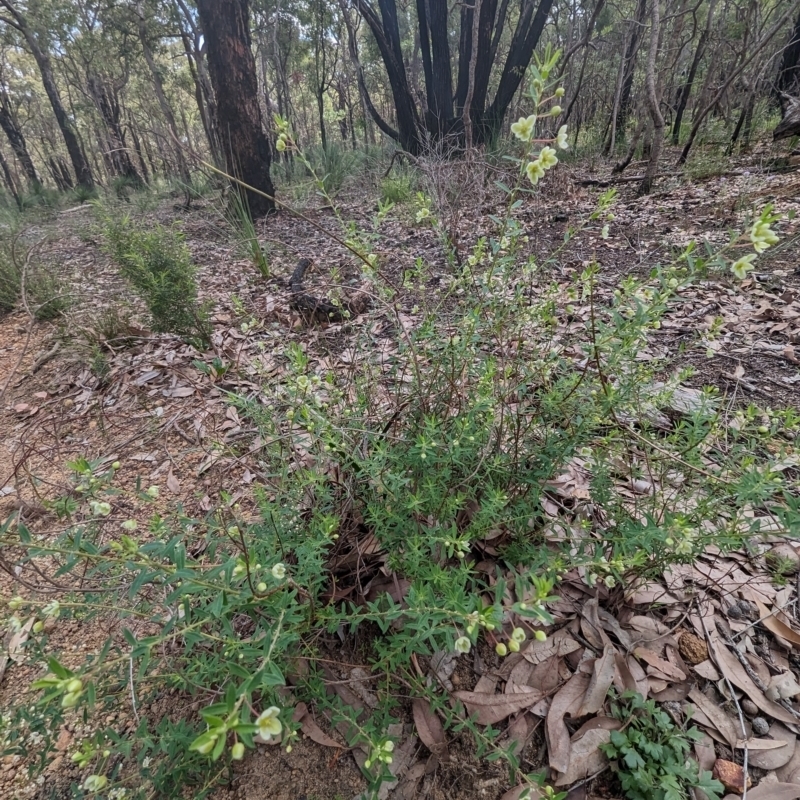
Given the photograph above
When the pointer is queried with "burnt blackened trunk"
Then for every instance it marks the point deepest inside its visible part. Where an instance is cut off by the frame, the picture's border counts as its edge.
(232, 68)
(789, 72)
(441, 118)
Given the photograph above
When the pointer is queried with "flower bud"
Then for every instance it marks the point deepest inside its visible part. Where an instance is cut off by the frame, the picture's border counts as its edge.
(501, 649)
(540, 636)
(513, 646)
(555, 111)
(237, 751)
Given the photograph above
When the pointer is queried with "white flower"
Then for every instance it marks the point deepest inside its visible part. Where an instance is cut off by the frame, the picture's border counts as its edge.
(52, 609)
(561, 138)
(742, 266)
(523, 128)
(762, 236)
(463, 645)
(279, 571)
(548, 157)
(130, 525)
(534, 170)
(518, 635)
(269, 724)
(100, 509)
(95, 783)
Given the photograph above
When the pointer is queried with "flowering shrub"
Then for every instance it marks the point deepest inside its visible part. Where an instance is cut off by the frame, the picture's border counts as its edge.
(453, 443)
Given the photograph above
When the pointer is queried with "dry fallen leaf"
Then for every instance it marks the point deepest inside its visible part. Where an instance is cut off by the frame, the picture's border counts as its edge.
(311, 729)
(585, 756)
(569, 696)
(488, 709)
(776, 758)
(602, 677)
(429, 728)
(735, 673)
(718, 718)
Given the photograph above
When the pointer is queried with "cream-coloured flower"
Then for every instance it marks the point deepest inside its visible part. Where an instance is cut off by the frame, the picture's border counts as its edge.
(518, 635)
(561, 138)
(548, 158)
(269, 724)
(279, 571)
(534, 171)
(604, 232)
(463, 645)
(762, 236)
(523, 128)
(743, 265)
(95, 783)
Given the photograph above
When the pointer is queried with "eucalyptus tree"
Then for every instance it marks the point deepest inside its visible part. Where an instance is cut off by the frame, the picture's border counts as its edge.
(231, 65)
(477, 65)
(33, 31)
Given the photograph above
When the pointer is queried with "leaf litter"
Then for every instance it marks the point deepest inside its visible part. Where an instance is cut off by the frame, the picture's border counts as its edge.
(629, 641)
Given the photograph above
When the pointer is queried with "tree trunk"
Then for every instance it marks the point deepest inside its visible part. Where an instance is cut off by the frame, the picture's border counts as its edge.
(466, 113)
(762, 43)
(386, 31)
(526, 36)
(789, 72)
(686, 89)
(8, 179)
(107, 103)
(163, 103)
(17, 140)
(653, 101)
(627, 70)
(203, 91)
(433, 32)
(79, 163)
(226, 25)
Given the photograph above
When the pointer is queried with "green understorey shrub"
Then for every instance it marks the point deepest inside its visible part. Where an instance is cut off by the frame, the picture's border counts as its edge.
(430, 461)
(46, 295)
(650, 753)
(157, 263)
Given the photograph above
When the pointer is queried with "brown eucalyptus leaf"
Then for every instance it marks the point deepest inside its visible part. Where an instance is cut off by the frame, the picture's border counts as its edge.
(775, 759)
(585, 756)
(602, 677)
(429, 728)
(591, 627)
(311, 729)
(773, 624)
(559, 644)
(630, 675)
(568, 697)
(489, 709)
(774, 791)
(790, 772)
(669, 671)
(724, 724)
(734, 672)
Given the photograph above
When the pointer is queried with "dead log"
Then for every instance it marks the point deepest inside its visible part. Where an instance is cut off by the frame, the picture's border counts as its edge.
(790, 124)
